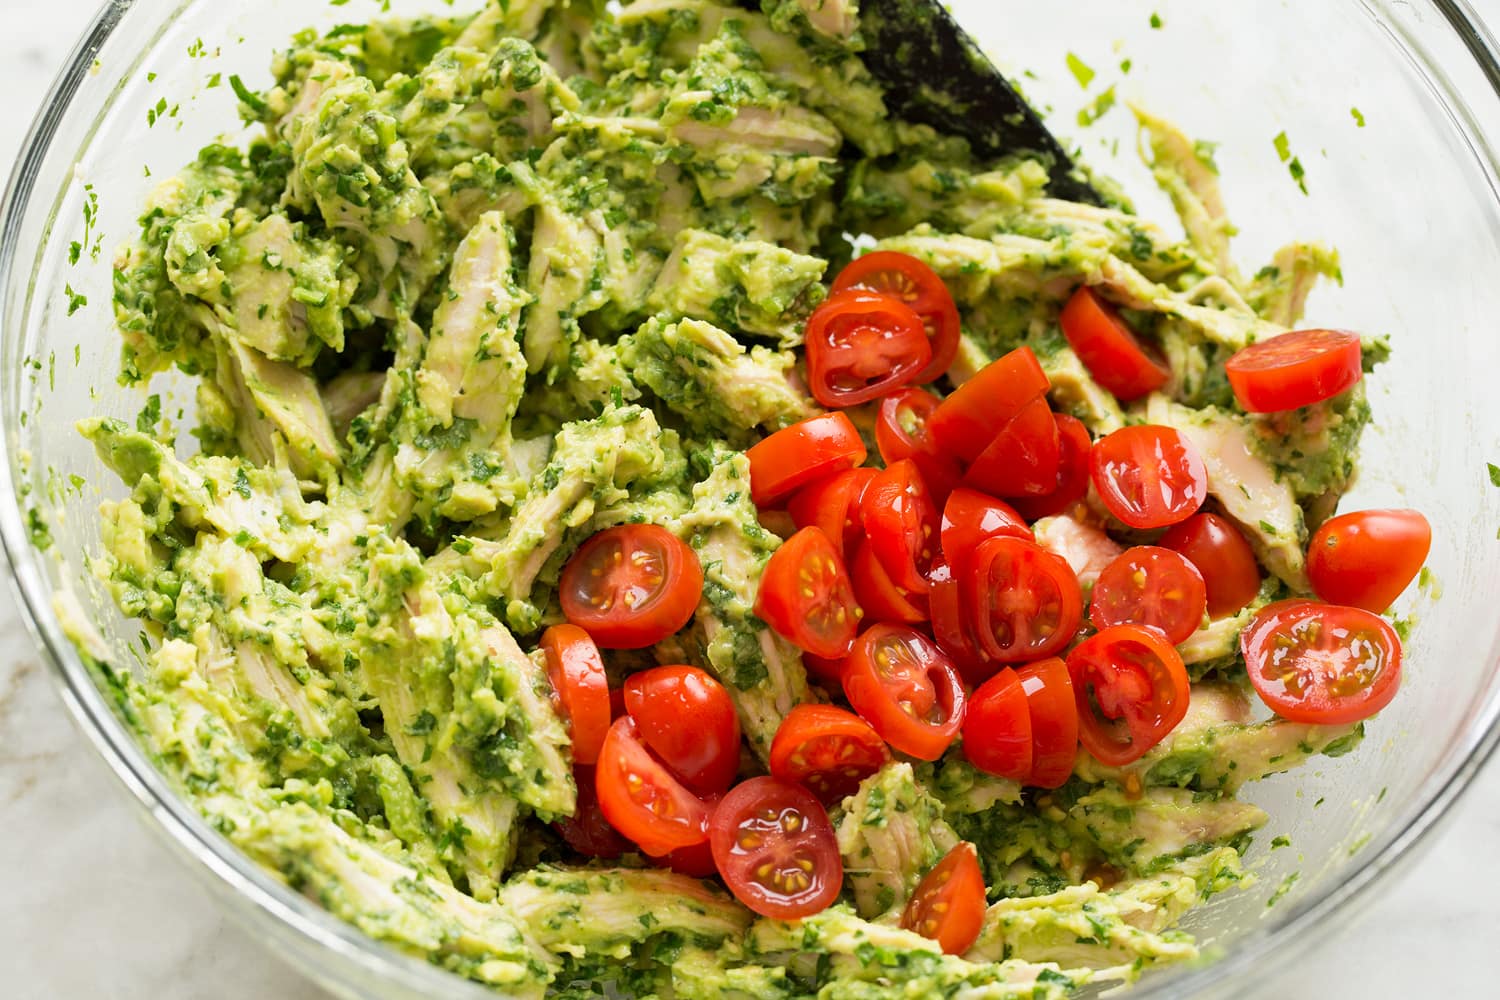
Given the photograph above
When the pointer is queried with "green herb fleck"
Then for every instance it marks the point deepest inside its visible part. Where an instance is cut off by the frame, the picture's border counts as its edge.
(1283, 889)
(75, 301)
(1080, 70)
(1281, 842)
(1097, 110)
(1359, 118)
(247, 96)
(1156, 21)
(1494, 473)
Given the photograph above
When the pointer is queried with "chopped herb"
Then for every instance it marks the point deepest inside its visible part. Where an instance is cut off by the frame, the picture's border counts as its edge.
(1494, 473)
(75, 300)
(247, 96)
(1281, 842)
(1359, 118)
(1283, 147)
(1125, 65)
(1080, 70)
(1097, 110)
(1156, 21)
(1283, 889)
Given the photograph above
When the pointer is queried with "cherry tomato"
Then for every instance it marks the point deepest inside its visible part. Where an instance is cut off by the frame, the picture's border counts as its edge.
(1131, 689)
(1073, 445)
(1321, 664)
(861, 345)
(776, 850)
(948, 905)
(587, 831)
(913, 282)
(631, 586)
(826, 750)
(879, 598)
(1365, 559)
(580, 687)
(969, 517)
(901, 524)
(642, 799)
(688, 721)
(832, 504)
(1295, 370)
(1054, 721)
(803, 453)
(1230, 572)
(901, 432)
(1149, 585)
(1023, 459)
(1023, 602)
(907, 688)
(968, 420)
(805, 595)
(1109, 349)
(827, 672)
(1148, 476)
(696, 861)
(997, 727)
(951, 629)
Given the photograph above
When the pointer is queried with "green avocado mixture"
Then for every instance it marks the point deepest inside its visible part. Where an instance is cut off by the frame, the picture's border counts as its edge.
(485, 285)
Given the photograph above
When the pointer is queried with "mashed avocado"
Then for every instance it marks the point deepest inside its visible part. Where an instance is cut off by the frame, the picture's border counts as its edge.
(485, 285)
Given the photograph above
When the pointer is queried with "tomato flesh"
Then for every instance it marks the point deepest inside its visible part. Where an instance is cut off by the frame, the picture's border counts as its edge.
(806, 596)
(901, 683)
(802, 453)
(832, 504)
(968, 420)
(642, 799)
(1231, 576)
(689, 722)
(948, 905)
(1322, 664)
(951, 629)
(969, 517)
(901, 433)
(776, 850)
(906, 278)
(1365, 559)
(880, 600)
(1132, 690)
(861, 345)
(901, 524)
(1295, 369)
(631, 586)
(1054, 721)
(1023, 458)
(997, 728)
(1073, 445)
(1148, 476)
(1109, 349)
(826, 750)
(1150, 585)
(1022, 602)
(580, 686)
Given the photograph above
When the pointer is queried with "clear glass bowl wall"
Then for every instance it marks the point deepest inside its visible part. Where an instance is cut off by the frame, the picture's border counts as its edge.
(1409, 198)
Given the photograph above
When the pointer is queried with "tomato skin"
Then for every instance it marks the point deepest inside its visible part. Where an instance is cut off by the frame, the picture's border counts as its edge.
(1366, 558)
(901, 433)
(688, 720)
(997, 728)
(768, 822)
(861, 345)
(968, 420)
(1151, 585)
(1137, 680)
(696, 861)
(1109, 349)
(1022, 602)
(949, 903)
(1023, 458)
(802, 453)
(832, 504)
(1231, 575)
(641, 798)
(1054, 721)
(651, 584)
(1073, 446)
(902, 684)
(1322, 664)
(1295, 369)
(914, 283)
(826, 750)
(1148, 476)
(950, 628)
(580, 686)
(827, 672)
(969, 517)
(806, 596)
(587, 831)
(879, 597)
(901, 524)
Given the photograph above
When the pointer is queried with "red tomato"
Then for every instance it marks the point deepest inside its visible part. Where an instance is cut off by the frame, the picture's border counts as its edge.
(1148, 476)
(1023, 602)
(968, 420)
(948, 905)
(642, 799)
(1230, 572)
(1365, 559)
(1322, 664)
(587, 831)
(879, 598)
(827, 672)
(901, 524)
(826, 750)
(969, 517)
(1295, 370)
(579, 686)
(907, 688)
(951, 628)
(632, 586)
(1023, 458)
(1149, 585)
(832, 504)
(1073, 445)
(805, 595)
(688, 721)
(861, 345)
(1109, 349)
(913, 282)
(901, 432)
(776, 850)
(1054, 721)
(803, 453)
(696, 861)
(1131, 689)
(997, 728)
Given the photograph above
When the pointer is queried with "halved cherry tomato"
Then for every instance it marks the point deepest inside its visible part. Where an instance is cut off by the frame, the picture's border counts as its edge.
(949, 903)
(1148, 476)
(631, 586)
(1322, 664)
(1054, 721)
(696, 861)
(642, 799)
(803, 453)
(776, 850)
(879, 597)
(907, 688)
(1150, 585)
(1109, 349)
(1365, 559)
(1023, 603)
(913, 282)
(1131, 689)
(688, 721)
(1230, 572)
(1023, 458)
(968, 420)
(805, 595)
(997, 727)
(901, 524)
(969, 517)
(832, 504)
(827, 672)
(901, 432)
(580, 687)
(951, 629)
(861, 345)
(826, 750)
(587, 831)
(1073, 445)
(1295, 369)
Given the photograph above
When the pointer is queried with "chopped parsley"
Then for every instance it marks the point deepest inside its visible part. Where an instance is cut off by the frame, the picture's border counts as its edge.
(1293, 164)
(1081, 71)
(1359, 118)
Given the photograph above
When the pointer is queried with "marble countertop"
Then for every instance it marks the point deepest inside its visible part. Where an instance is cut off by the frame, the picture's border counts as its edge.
(94, 905)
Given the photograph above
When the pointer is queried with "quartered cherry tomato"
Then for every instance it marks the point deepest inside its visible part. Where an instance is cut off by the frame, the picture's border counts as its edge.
(776, 850)
(968, 420)
(1150, 585)
(826, 750)
(948, 905)
(1322, 664)
(1109, 349)
(879, 598)
(587, 831)
(832, 504)
(969, 517)
(907, 688)
(1054, 721)
(805, 595)
(951, 628)
(901, 524)
(861, 345)
(1131, 689)
(1023, 603)
(631, 586)
(1073, 446)
(1231, 575)
(1023, 459)
(580, 686)
(1148, 476)
(997, 727)
(1365, 559)
(901, 432)
(802, 453)
(1295, 370)
(642, 799)
(914, 283)
(689, 722)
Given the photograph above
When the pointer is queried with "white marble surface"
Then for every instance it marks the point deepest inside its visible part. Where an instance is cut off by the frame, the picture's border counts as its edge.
(91, 904)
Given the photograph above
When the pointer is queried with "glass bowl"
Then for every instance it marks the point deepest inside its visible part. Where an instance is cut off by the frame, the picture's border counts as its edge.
(1395, 135)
